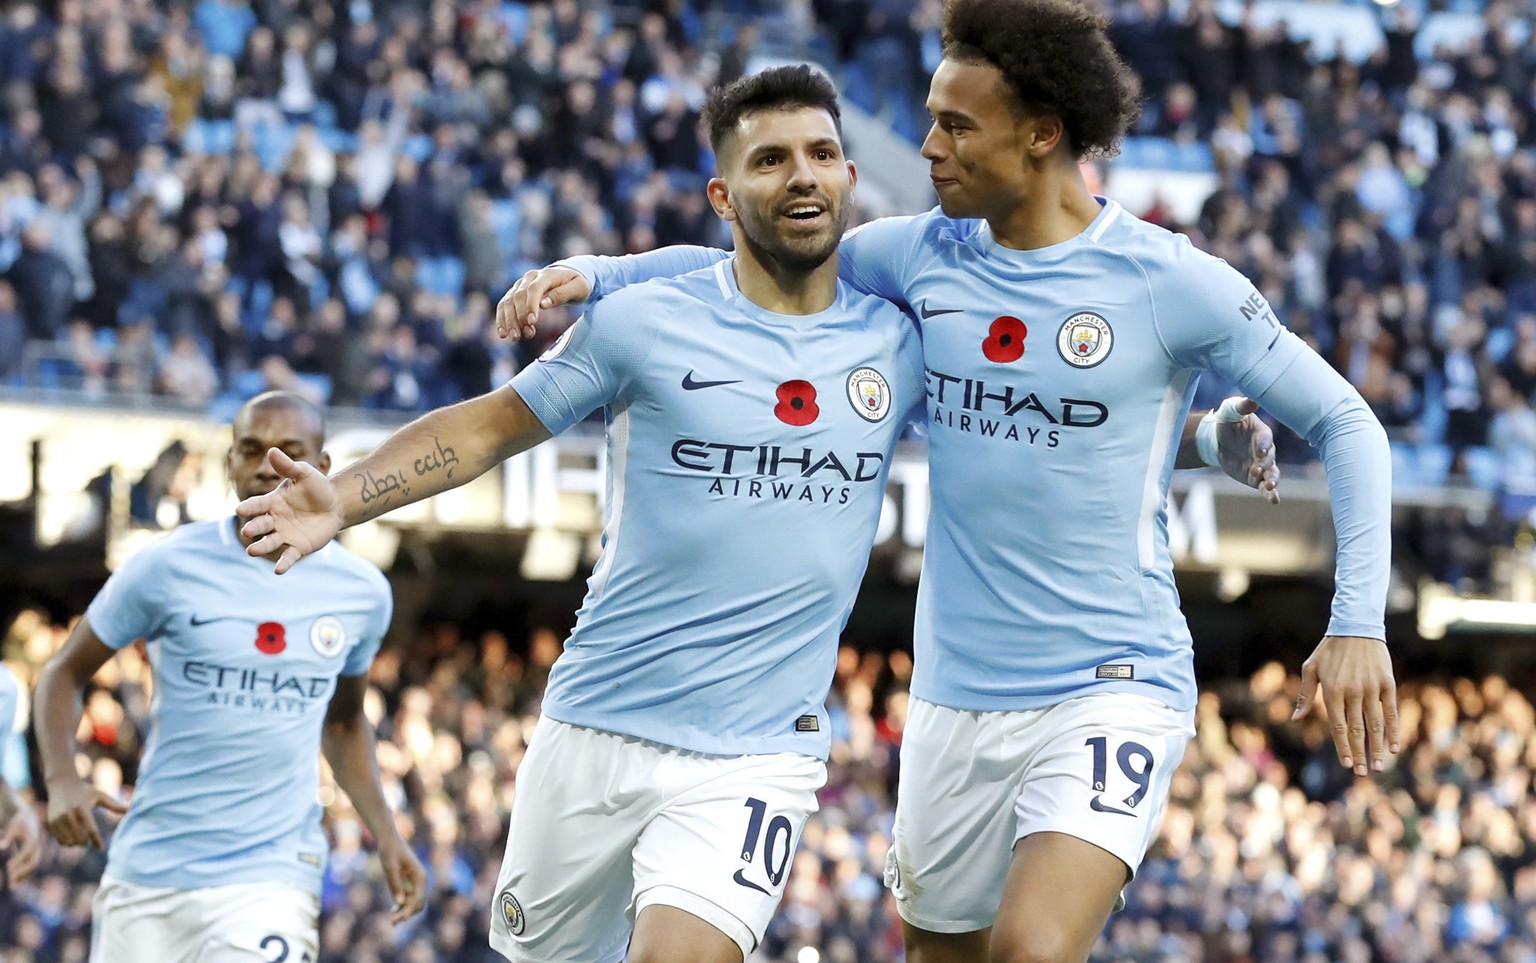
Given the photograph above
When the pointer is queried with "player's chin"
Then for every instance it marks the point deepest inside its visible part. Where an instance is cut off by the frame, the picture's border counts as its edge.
(954, 200)
(806, 252)
(254, 489)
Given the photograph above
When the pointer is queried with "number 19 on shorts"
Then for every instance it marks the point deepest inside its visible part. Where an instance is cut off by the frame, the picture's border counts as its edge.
(1135, 762)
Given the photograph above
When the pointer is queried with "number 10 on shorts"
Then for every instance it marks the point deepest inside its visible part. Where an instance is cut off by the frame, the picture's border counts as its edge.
(778, 843)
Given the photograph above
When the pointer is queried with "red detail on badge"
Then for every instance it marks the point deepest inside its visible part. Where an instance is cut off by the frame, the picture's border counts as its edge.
(797, 403)
(1005, 340)
(271, 638)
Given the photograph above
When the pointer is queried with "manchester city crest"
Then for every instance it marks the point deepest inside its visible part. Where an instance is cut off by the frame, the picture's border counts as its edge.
(869, 394)
(328, 635)
(1085, 340)
(512, 913)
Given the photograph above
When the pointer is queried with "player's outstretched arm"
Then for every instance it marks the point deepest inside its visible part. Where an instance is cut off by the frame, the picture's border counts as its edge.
(1235, 439)
(20, 835)
(1356, 678)
(440, 450)
(349, 745)
(72, 802)
(576, 279)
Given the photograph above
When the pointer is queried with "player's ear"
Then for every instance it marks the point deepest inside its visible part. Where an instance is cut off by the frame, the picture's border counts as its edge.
(1042, 133)
(720, 198)
(853, 179)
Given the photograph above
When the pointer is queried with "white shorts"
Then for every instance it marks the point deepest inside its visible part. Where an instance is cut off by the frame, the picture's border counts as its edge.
(242, 923)
(974, 783)
(605, 825)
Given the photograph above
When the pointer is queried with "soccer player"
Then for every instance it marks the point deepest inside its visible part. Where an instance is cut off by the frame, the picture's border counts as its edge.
(751, 410)
(1054, 683)
(220, 856)
(20, 834)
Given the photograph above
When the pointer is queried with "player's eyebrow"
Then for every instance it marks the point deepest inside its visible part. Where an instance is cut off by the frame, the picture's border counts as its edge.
(764, 150)
(953, 116)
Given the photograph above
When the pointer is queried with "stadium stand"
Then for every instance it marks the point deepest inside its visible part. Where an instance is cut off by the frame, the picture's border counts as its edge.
(203, 200)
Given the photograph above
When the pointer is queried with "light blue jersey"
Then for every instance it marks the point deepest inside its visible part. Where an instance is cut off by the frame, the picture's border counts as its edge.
(1058, 382)
(245, 663)
(747, 460)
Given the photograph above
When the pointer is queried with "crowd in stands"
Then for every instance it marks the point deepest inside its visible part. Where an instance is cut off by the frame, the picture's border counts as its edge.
(1269, 851)
(202, 200)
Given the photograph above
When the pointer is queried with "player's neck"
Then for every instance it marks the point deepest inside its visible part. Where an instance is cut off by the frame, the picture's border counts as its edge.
(1057, 208)
(782, 290)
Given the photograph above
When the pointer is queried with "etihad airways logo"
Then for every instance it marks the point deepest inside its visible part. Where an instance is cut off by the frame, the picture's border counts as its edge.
(781, 472)
(256, 689)
(998, 409)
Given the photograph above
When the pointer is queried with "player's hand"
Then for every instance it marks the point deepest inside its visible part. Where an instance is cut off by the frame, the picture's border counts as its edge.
(23, 839)
(1356, 676)
(406, 876)
(298, 517)
(1247, 446)
(517, 313)
(72, 809)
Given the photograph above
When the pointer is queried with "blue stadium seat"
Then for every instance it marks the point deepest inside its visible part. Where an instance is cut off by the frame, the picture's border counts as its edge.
(1433, 463)
(318, 383)
(214, 137)
(1484, 467)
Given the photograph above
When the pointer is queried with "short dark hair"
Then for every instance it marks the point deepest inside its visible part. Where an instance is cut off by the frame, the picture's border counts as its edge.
(777, 88)
(1057, 58)
(287, 401)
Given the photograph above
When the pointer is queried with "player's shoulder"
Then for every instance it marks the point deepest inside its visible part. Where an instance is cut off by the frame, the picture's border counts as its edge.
(1164, 256)
(9, 687)
(339, 562)
(191, 539)
(654, 297)
(930, 229)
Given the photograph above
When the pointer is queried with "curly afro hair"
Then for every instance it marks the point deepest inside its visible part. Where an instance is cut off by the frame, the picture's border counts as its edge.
(1058, 59)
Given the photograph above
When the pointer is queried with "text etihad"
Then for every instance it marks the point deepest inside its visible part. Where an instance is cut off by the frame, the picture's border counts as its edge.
(976, 394)
(775, 461)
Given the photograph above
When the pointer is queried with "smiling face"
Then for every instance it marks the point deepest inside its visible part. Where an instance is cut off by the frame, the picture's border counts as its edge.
(785, 186)
(978, 144)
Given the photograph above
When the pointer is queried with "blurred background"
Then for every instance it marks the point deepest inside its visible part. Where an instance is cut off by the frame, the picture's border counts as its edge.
(203, 200)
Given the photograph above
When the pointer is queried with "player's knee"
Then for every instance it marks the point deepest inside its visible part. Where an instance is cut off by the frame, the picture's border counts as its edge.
(653, 953)
(1040, 943)
(925, 947)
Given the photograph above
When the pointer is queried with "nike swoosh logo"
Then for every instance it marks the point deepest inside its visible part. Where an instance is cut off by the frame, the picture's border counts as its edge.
(691, 385)
(1099, 807)
(748, 883)
(216, 618)
(923, 310)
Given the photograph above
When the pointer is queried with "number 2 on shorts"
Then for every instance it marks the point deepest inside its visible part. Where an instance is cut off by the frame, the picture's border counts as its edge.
(279, 945)
(1128, 752)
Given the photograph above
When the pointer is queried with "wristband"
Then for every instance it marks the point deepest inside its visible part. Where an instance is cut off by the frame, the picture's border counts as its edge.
(1206, 441)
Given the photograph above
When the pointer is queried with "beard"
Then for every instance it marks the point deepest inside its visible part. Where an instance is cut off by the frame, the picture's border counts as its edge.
(768, 241)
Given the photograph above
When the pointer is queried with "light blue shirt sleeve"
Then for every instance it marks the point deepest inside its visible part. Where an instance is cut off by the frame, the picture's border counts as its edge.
(1210, 317)
(131, 605)
(595, 360)
(609, 274)
(362, 654)
(875, 257)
